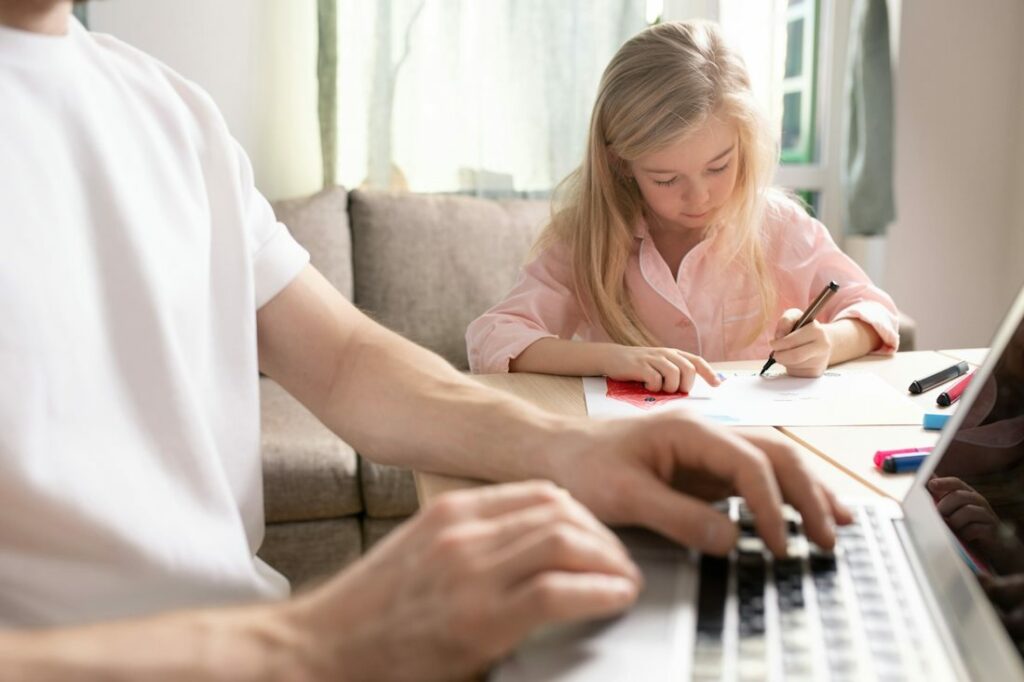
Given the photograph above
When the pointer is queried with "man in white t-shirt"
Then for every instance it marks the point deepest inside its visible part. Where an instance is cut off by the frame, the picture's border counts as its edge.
(143, 284)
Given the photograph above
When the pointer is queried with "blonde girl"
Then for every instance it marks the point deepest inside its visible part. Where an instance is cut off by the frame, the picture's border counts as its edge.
(668, 247)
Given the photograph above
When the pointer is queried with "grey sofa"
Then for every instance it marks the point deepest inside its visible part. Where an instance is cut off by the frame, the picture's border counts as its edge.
(425, 266)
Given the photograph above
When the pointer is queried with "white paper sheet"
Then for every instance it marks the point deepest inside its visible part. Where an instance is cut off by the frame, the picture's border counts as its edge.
(746, 399)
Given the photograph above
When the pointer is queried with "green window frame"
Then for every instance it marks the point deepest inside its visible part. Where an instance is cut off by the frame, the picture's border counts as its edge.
(800, 83)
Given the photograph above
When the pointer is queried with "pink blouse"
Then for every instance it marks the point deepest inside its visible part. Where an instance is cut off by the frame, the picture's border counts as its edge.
(703, 310)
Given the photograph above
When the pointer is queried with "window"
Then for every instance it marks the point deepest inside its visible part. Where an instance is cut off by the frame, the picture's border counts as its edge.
(478, 97)
(793, 50)
(495, 97)
(799, 84)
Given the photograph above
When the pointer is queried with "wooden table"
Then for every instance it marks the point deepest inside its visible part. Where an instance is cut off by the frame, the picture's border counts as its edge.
(851, 448)
(841, 456)
(975, 356)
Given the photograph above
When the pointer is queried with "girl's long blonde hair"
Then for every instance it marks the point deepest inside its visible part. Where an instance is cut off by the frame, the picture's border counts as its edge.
(661, 85)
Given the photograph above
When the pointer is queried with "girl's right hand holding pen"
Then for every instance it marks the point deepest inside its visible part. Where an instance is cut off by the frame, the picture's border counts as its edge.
(804, 352)
(668, 370)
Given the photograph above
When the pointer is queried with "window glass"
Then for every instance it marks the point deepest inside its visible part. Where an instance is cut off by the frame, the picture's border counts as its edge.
(794, 48)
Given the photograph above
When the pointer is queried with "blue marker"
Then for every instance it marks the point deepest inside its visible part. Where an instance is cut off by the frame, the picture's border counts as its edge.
(898, 464)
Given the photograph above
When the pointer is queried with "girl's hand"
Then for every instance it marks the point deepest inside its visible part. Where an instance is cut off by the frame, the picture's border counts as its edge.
(660, 369)
(805, 352)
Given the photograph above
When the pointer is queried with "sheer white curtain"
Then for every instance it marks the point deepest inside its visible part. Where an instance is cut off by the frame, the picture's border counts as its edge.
(757, 30)
(471, 96)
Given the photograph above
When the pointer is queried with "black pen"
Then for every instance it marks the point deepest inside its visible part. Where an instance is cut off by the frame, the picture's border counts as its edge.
(933, 380)
(808, 315)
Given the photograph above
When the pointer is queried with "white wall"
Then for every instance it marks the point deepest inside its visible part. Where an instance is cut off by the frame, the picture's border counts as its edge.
(1015, 254)
(956, 252)
(257, 58)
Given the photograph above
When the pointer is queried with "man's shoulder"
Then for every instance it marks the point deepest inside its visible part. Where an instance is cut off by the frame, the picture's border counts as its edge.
(145, 73)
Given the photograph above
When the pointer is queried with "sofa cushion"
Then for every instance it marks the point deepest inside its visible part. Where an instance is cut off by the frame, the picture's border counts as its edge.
(320, 224)
(307, 552)
(427, 265)
(388, 492)
(375, 530)
(308, 472)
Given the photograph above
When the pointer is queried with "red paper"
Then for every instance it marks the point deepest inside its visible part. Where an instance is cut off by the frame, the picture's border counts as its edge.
(634, 393)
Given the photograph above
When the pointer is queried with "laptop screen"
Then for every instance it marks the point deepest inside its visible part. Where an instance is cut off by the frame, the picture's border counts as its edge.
(978, 484)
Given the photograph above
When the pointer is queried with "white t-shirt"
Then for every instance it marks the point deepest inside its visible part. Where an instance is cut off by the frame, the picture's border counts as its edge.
(134, 253)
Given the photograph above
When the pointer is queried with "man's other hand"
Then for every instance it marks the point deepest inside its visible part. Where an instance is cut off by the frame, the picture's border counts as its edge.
(463, 582)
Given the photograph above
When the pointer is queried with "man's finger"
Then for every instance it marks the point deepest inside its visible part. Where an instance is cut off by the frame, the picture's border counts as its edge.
(733, 459)
(493, 500)
(840, 512)
(688, 521)
(562, 547)
(559, 597)
(801, 489)
(509, 527)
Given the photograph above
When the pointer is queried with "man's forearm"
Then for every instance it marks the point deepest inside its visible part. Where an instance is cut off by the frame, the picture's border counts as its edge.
(402, 404)
(392, 400)
(247, 643)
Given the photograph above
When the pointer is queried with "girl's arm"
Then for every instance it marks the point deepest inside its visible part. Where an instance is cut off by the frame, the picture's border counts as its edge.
(810, 350)
(851, 338)
(530, 331)
(860, 318)
(560, 356)
(660, 369)
(541, 305)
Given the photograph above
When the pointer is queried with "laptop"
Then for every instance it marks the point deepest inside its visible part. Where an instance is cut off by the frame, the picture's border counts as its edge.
(930, 589)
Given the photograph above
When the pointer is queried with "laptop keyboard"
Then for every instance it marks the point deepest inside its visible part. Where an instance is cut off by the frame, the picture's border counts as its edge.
(813, 615)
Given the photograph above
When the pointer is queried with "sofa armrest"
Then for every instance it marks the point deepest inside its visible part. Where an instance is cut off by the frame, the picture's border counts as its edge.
(908, 332)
